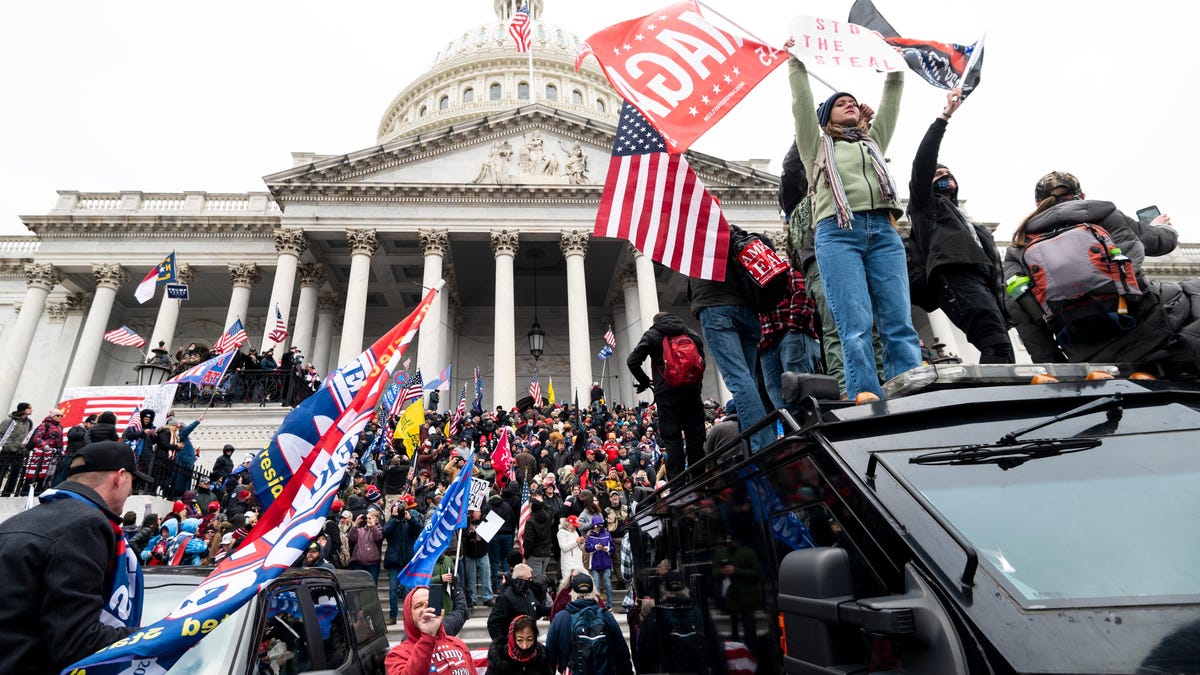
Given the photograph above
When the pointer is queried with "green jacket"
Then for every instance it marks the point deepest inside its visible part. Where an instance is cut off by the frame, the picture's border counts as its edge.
(444, 565)
(853, 162)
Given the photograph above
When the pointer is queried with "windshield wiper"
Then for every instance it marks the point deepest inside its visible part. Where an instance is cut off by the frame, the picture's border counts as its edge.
(1009, 452)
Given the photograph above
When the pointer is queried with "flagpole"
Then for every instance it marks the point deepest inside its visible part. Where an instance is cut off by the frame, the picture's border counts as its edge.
(733, 23)
(532, 89)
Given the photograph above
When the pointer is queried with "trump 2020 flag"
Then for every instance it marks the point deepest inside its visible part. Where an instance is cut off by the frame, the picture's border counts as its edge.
(943, 64)
(163, 272)
(283, 532)
(303, 428)
(208, 373)
(681, 71)
(449, 515)
(655, 201)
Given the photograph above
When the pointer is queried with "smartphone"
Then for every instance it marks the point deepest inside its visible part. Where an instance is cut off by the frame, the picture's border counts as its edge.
(436, 594)
(1147, 214)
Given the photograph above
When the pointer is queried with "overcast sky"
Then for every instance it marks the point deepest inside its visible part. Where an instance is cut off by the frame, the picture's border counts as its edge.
(174, 96)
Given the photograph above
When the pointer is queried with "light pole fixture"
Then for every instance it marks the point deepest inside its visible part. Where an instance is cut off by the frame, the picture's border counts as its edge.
(537, 337)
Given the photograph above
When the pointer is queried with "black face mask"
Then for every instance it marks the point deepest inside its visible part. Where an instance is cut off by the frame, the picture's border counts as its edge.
(520, 585)
(947, 186)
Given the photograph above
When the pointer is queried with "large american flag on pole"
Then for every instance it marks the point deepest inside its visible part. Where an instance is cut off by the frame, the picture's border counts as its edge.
(125, 337)
(535, 391)
(231, 339)
(655, 200)
(412, 391)
(456, 424)
(279, 333)
(609, 338)
(526, 511)
(518, 28)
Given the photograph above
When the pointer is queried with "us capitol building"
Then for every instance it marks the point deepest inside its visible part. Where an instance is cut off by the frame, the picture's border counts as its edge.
(477, 174)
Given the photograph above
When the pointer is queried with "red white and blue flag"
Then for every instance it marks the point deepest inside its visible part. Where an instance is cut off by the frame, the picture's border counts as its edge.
(231, 339)
(296, 515)
(518, 28)
(655, 201)
(535, 391)
(412, 391)
(208, 373)
(125, 337)
(442, 381)
(279, 333)
(162, 273)
(456, 423)
(526, 511)
(943, 64)
(610, 339)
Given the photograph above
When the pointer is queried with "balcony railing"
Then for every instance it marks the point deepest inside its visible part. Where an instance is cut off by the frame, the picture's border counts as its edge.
(19, 472)
(264, 387)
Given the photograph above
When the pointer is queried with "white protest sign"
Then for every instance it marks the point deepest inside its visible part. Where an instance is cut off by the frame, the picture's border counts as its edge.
(490, 526)
(479, 490)
(840, 44)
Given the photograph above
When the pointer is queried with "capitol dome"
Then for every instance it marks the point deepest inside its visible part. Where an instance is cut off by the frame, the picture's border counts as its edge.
(481, 71)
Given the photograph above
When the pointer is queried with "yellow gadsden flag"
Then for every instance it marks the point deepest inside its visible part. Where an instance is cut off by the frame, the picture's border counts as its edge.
(409, 427)
(550, 389)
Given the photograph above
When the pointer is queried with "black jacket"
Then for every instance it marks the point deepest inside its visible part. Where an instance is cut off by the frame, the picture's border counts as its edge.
(58, 554)
(101, 431)
(941, 234)
(509, 605)
(651, 345)
(540, 530)
(222, 467)
(504, 510)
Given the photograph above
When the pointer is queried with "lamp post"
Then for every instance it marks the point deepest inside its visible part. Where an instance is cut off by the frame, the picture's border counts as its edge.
(151, 374)
(537, 337)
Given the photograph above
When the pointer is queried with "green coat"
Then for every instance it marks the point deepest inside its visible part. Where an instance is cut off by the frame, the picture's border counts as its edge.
(444, 565)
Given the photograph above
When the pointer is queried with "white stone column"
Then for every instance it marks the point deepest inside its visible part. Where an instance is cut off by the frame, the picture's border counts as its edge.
(289, 244)
(168, 315)
(40, 278)
(70, 313)
(647, 287)
(312, 277)
(574, 244)
(434, 245)
(327, 306)
(634, 328)
(109, 277)
(449, 303)
(504, 367)
(243, 276)
(362, 246)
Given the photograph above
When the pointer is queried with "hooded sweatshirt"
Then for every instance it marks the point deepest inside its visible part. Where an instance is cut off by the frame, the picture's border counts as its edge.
(421, 654)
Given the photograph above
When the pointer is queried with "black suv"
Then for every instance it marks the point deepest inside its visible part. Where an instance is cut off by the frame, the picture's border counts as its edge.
(305, 620)
(972, 522)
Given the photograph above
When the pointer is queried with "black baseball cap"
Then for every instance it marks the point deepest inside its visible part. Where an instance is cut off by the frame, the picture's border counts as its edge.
(582, 583)
(106, 456)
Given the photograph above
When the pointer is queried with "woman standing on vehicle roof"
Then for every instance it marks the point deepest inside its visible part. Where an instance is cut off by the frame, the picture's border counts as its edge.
(855, 205)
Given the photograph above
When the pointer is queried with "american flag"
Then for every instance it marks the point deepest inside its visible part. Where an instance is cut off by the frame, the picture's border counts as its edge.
(610, 339)
(411, 391)
(231, 339)
(655, 200)
(279, 333)
(526, 511)
(125, 337)
(535, 391)
(518, 28)
(456, 424)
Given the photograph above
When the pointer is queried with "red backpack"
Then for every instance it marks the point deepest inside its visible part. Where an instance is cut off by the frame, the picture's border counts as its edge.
(682, 365)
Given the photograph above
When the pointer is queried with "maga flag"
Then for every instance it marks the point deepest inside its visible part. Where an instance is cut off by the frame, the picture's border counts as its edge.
(477, 402)
(943, 64)
(208, 373)
(449, 515)
(502, 458)
(303, 428)
(655, 201)
(295, 517)
(681, 71)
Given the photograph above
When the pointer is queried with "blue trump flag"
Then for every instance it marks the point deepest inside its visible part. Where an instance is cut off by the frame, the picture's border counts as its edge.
(208, 373)
(449, 515)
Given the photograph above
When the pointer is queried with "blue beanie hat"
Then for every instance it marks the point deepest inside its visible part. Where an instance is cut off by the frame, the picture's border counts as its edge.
(731, 407)
(825, 109)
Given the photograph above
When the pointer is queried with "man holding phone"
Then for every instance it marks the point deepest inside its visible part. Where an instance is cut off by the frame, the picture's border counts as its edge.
(427, 647)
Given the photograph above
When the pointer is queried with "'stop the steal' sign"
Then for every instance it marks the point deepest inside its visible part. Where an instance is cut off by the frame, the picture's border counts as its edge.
(826, 42)
(683, 73)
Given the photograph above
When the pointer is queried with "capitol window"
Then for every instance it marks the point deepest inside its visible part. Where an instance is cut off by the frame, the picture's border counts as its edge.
(523, 91)
(494, 91)
(468, 95)
(421, 113)
(600, 105)
(443, 103)
(577, 97)
(551, 92)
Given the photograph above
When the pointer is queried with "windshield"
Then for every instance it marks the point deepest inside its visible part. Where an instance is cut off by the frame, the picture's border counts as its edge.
(1113, 525)
(214, 654)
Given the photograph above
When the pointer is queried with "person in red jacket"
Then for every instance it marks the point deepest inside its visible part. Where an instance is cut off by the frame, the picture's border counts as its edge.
(426, 648)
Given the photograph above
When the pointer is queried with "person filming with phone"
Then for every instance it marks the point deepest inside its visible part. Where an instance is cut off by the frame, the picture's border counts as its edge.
(1076, 288)
(426, 647)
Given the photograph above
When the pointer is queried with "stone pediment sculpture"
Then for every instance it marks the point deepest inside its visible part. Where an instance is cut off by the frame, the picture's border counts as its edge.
(530, 161)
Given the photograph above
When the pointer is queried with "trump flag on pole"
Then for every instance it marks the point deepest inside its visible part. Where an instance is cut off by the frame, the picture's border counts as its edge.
(449, 515)
(708, 70)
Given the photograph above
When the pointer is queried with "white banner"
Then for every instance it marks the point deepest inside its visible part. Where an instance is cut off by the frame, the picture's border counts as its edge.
(479, 490)
(825, 42)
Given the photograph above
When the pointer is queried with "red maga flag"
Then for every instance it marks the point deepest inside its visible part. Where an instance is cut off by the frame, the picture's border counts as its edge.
(681, 71)
(658, 203)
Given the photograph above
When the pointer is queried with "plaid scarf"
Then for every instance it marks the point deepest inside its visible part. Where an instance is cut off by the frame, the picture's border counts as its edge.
(841, 203)
(123, 606)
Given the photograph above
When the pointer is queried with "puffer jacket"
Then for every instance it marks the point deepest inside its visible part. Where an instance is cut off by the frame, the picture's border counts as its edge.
(651, 345)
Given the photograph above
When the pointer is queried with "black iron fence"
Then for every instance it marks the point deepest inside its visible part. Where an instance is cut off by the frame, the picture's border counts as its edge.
(19, 472)
(264, 387)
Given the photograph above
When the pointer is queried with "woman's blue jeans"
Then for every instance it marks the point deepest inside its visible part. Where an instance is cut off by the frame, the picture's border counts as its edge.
(865, 275)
